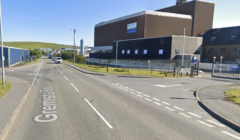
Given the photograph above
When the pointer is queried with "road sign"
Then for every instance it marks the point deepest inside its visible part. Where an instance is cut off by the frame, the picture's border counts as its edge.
(192, 64)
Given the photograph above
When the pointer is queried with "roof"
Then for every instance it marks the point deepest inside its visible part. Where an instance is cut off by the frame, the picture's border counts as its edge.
(13, 48)
(147, 12)
(222, 36)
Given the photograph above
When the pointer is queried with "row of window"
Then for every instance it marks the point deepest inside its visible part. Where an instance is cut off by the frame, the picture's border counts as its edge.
(144, 51)
(223, 51)
(231, 38)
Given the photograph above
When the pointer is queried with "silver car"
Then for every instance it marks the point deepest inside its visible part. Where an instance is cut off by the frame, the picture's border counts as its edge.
(58, 60)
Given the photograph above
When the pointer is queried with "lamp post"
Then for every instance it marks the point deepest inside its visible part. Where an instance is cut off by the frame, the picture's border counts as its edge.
(221, 64)
(74, 32)
(116, 52)
(184, 46)
(214, 59)
(3, 73)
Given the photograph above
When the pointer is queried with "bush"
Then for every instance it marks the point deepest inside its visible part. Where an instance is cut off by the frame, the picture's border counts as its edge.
(69, 56)
(120, 70)
(35, 52)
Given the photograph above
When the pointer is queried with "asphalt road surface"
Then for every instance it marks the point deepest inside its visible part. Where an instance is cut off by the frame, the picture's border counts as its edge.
(66, 104)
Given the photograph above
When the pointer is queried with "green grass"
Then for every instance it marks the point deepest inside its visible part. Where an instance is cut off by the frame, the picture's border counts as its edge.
(35, 45)
(4, 89)
(233, 95)
(103, 69)
(32, 62)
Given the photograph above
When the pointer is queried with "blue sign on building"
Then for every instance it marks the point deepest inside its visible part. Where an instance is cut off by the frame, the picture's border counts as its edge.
(132, 28)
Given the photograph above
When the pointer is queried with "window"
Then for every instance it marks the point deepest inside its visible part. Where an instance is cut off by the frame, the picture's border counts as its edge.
(177, 51)
(128, 51)
(123, 51)
(223, 50)
(136, 51)
(160, 51)
(232, 37)
(212, 38)
(197, 52)
(210, 51)
(236, 50)
(145, 51)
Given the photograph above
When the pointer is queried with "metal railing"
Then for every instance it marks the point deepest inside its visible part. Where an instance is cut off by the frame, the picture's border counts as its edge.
(226, 70)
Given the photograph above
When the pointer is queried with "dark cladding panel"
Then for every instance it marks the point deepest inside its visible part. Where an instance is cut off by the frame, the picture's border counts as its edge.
(106, 34)
(165, 26)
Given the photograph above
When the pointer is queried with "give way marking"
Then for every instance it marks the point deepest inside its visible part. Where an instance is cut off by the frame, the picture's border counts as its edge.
(163, 86)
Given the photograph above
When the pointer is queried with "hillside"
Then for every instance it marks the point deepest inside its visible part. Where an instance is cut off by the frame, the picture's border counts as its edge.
(35, 45)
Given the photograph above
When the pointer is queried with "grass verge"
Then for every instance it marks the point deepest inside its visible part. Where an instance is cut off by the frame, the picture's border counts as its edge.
(126, 71)
(4, 89)
(32, 62)
(233, 95)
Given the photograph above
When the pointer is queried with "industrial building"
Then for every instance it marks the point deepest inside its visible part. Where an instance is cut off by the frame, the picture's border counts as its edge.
(13, 55)
(223, 42)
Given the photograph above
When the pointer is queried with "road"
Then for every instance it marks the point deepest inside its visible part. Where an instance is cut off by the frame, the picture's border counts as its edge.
(68, 104)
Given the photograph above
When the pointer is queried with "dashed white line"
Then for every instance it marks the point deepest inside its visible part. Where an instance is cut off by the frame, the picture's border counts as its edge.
(157, 103)
(131, 89)
(132, 92)
(178, 108)
(74, 87)
(156, 99)
(221, 125)
(120, 87)
(204, 123)
(139, 92)
(98, 114)
(169, 108)
(146, 95)
(194, 115)
(139, 96)
(65, 77)
(125, 90)
(229, 134)
(185, 115)
(148, 99)
(166, 103)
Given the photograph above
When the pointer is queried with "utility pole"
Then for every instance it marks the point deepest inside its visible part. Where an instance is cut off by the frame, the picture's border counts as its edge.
(3, 73)
(74, 32)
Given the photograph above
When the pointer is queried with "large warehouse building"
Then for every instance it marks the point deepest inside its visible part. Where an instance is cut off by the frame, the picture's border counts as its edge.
(194, 16)
(13, 55)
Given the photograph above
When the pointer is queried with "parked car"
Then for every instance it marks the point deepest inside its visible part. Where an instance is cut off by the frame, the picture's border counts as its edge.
(58, 60)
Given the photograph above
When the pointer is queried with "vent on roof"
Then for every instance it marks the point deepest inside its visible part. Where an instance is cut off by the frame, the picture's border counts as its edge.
(216, 31)
(212, 38)
(232, 37)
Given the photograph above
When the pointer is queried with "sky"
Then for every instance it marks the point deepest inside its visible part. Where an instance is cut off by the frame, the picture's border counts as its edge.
(51, 20)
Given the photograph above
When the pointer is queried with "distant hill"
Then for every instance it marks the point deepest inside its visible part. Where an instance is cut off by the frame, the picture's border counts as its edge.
(35, 45)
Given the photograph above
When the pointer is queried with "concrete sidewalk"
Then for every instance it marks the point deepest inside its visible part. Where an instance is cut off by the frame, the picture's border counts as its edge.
(212, 100)
(12, 101)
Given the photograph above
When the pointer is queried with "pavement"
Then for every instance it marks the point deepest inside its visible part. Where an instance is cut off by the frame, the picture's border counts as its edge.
(212, 98)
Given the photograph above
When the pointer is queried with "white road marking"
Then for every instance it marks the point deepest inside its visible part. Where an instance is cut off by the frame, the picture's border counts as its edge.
(178, 108)
(148, 99)
(185, 115)
(120, 87)
(156, 99)
(131, 89)
(65, 77)
(169, 108)
(74, 87)
(36, 75)
(139, 92)
(126, 87)
(146, 95)
(125, 90)
(204, 123)
(166, 103)
(229, 134)
(60, 72)
(157, 103)
(98, 114)
(167, 86)
(139, 96)
(221, 125)
(37, 68)
(132, 92)
(194, 115)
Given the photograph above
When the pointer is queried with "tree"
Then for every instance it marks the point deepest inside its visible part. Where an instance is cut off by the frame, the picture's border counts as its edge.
(35, 52)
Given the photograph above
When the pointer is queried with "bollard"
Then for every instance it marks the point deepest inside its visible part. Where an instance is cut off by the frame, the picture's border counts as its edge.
(107, 68)
(187, 74)
(174, 74)
(181, 74)
(166, 74)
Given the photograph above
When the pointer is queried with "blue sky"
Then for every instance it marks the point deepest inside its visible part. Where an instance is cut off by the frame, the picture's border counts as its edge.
(51, 20)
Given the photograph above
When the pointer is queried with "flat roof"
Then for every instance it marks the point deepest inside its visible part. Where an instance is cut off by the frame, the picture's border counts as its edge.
(146, 12)
(13, 48)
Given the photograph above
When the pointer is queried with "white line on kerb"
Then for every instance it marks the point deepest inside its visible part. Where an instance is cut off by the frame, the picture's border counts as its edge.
(194, 114)
(74, 87)
(156, 99)
(157, 103)
(178, 108)
(229, 134)
(166, 103)
(185, 115)
(204, 123)
(169, 108)
(221, 125)
(147, 99)
(65, 77)
(36, 74)
(98, 114)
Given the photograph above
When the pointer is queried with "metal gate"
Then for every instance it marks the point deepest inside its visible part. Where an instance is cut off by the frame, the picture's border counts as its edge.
(226, 70)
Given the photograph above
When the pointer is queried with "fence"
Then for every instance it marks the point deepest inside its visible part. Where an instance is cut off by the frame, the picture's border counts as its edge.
(226, 70)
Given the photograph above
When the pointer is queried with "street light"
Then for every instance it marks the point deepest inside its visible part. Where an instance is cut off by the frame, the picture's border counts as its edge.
(74, 32)
(221, 64)
(3, 73)
(116, 52)
(214, 58)
(184, 45)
